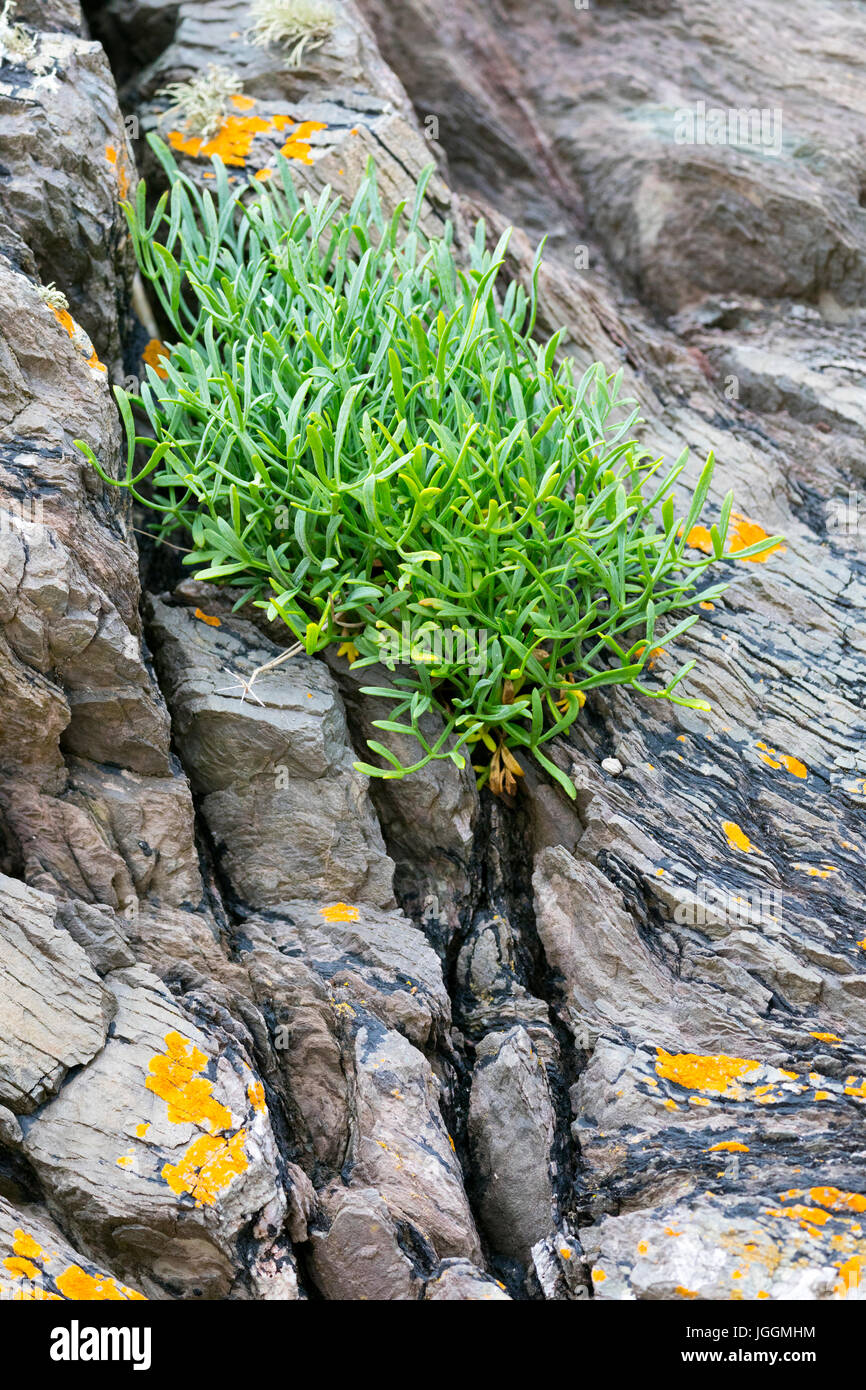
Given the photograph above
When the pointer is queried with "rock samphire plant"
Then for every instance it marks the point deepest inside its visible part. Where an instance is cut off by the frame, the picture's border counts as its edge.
(363, 435)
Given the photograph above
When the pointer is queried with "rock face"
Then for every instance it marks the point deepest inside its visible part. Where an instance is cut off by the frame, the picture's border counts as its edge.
(269, 1031)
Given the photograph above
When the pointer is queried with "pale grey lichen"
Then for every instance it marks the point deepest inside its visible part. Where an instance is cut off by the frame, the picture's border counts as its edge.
(202, 104)
(296, 25)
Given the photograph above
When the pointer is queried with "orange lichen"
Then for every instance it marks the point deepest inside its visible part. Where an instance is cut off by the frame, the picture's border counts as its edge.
(118, 159)
(774, 759)
(642, 1247)
(807, 1215)
(153, 355)
(814, 872)
(234, 139)
(832, 1197)
(209, 618)
(826, 1037)
(65, 319)
(737, 837)
(256, 1096)
(746, 533)
(141, 1130)
(743, 533)
(232, 142)
(699, 538)
(339, 912)
(598, 1276)
(685, 1293)
(699, 1073)
(25, 1245)
(174, 1078)
(208, 1166)
(75, 1283)
(20, 1268)
(729, 1146)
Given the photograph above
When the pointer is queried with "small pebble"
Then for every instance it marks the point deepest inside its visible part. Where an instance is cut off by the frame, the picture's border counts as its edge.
(612, 765)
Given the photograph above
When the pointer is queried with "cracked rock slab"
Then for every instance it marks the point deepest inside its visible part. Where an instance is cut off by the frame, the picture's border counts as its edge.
(160, 1155)
(54, 1011)
(289, 814)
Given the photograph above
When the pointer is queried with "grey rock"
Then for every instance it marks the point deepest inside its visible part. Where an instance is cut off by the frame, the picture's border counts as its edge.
(38, 1262)
(458, 1281)
(54, 1012)
(68, 164)
(511, 1129)
(359, 1256)
(279, 793)
(167, 1176)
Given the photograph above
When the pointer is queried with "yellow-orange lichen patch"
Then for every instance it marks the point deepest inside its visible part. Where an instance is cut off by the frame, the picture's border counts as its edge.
(805, 1216)
(234, 139)
(737, 837)
(208, 1167)
(772, 758)
(232, 142)
(699, 538)
(814, 872)
(28, 1247)
(718, 1075)
(826, 1037)
(598, 1276)
(851, 1271)
(20, 1268)
(209, 619)
(118, 159)
(153, 355)
(256, 1096)
(745, 533)
(174, 1078)
(79, 337)
(742, 534)
(339, 912)
(730, 1146)
(298, 144)
(832, 1197)
(683, 1292)
(75, 1283)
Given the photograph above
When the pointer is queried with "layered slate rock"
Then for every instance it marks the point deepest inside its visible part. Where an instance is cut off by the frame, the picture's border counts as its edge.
(173, 1177)
(91, 805)
(39, 1265)
(54, 1012)
(287, 810)
(511, 1128)
(67, 165)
